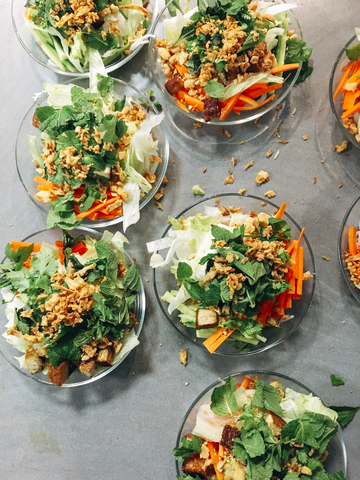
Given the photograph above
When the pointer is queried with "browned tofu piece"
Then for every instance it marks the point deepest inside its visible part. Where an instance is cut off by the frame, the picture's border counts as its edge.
(206, 319)
(228, 436)
(105, 357)
(60, 374)
(196, 466)
(276, 423)
(88, 367)
(33, 362)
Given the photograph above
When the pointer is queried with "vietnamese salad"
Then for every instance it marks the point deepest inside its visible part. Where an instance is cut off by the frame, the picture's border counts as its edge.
(258, 431)
(76, 33)
(99, 153)
(235, 274)
(70, 306)
(228, 56)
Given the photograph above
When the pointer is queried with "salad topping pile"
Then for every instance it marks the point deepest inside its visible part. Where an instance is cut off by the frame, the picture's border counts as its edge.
(99, 155)
(352, 257)
(222, 55)
(349, 87)
(69, 305)
(77, 33)
(237, 274)
(258, 431)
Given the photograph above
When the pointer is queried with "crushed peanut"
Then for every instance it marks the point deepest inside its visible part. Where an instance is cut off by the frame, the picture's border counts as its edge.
(262, 177)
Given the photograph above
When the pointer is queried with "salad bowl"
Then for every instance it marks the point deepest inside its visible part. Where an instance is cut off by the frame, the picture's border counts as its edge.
(351, 220)
(36, 52)
(233, 118)
(165, 281)
(11, 353)
(337, 458)
(336, 104)
(26, 168)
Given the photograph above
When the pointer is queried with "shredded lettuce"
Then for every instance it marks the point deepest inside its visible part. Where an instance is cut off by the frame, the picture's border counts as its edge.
(294, 404)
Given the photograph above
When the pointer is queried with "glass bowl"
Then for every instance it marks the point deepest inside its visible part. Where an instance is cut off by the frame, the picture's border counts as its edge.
(26, 168)
(337, 459)
(335, 77)
(351, 219)
(233, 118)
(76, 378)
(34, 50)
(164, 280)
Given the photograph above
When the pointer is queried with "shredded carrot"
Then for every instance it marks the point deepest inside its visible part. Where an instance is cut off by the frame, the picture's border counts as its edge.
(351, 111)
(352, 240)
(284, 68)
(259, 105)
(262, 91)
(280, 212)
(214, 455)
(28, 263)
(288, 301)
(182, 69)
(291, 246)
(189, 100)
(348, 70)
(28, 15)
(97, 208)
(300, 268)
(217, 338)
(181, 105)
(349, 100)
(15, 245)
(225, 112)
(255, 86)
(245, 383)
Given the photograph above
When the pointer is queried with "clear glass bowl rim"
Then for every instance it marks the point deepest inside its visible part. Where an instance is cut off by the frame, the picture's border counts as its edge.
(141, 298)
(216, 121)
(345, 132)
(340, 252)
(276, 342)
(67, 73)
(252, 372)
(147, 197)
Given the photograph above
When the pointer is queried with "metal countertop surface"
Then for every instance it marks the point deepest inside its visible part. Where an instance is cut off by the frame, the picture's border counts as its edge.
(125, 425)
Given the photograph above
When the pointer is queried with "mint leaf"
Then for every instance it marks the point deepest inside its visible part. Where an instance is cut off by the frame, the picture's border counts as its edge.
(19, 256)
(82, 338)
(21, 323)
(336, 381)
(250, 42)
(337, 476)
(119, 104)
(253, 443)
(183, 272)
(291, 476)
(189, 448)
(95, 40)
(105, 85)
(62, 349)
(193, 288)
(223, 401)
(104, 250)
(345, 414)
(107, 287)
(353, 52)
(131, 279)
(266, 396)
(193, 64)
(214, 89)
(52, 118)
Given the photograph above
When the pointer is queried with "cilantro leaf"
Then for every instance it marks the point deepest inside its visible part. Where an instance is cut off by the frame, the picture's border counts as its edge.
(223, 401)
(19, 256)
(297, 51)
(22, 323)
(189, 447)
(131, 279)
(336, 381)
(239, 450)
(190, 477)
(95, 40)
(44, 263)
(119, 104)
(183, 272)
(52, 118)
(214, 89)
(105, 85)
(193, 64)
(280, 226)
(345, 414)
(250, 42)
(337, 476)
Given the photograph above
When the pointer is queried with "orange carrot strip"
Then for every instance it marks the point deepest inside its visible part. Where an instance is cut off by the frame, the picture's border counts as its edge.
(255, 86)
(238, 109)
(217, 338)
(288, 301)
(118, 212)
(352, 240)
(181, 105)
(267, 306)
(351, 111)
(261, 91)
(182, 69)
(229, 106)
(215, 458)
(349, 100)
(299, 283)
(28, 263)
(280, 212)
(105, 215)
(249, 100)
(292, 284)
(291, 246)
(189, 100)
(97, 208)
(221, 450)
(301, 235)
(28, 14)
(347, 72)
(15, 245)
(284, 68)
(245, 383)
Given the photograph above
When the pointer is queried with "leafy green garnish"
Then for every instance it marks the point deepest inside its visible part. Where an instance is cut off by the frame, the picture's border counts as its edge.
(189, 447)
(214, 89)
(266, 396)
(149, 106)
(336, 381)
(353, 52)
(105, 85)
(345, 414)
(223, 401)
(131, 280)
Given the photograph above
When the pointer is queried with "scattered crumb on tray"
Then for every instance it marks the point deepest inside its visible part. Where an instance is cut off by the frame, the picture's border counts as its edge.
(233, 161)
(183, 356)
(227, 133)
(341, 147)
(305, 137)
(250, 164)
(262, 177)
(325, 258)
(270, 194)
(269, 153)
(242, 191)
(217, 201)
(197, 124)
(230, 179)
(158, 205)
